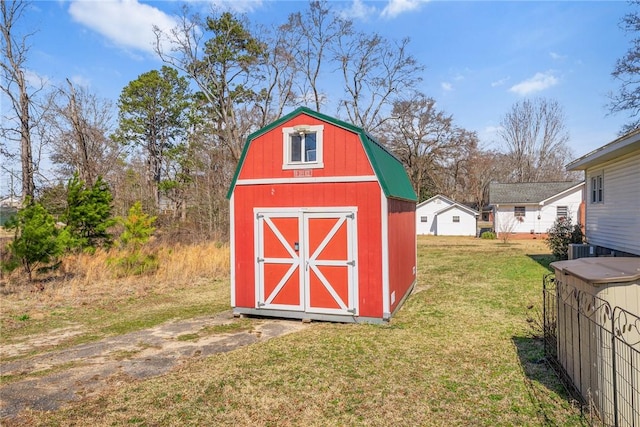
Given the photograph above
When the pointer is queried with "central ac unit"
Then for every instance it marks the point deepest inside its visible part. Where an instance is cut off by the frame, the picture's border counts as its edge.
(581, 250)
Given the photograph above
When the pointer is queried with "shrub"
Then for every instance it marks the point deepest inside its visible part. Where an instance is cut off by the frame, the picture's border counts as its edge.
(561, 234)
(489, 235)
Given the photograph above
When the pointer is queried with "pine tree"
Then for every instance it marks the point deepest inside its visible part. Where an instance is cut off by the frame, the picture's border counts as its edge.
(37, 241)
(88, 215)
(138, 227)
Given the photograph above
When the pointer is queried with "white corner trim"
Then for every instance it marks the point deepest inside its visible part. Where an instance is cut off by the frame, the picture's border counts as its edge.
(232, 249)
(384, 221)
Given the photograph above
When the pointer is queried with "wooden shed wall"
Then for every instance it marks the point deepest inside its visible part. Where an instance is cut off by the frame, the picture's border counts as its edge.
(363, 195)
(402, 248)
(343, 154)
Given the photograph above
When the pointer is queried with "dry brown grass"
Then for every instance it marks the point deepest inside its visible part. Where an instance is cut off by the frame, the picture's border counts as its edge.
(88, 291)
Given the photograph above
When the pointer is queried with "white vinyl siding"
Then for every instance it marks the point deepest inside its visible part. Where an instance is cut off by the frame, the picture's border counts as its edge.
(427, 209)
(455, 222)
(440, 213)
(539, 218)
(615, 223)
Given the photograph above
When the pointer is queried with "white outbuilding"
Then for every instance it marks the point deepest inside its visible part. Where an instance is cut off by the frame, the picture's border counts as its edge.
(441, 216)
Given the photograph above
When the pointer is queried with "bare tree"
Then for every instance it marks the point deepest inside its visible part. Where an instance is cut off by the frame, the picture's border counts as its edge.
(627, 71)
(14, 85)
(78, 125)
(535, 138)
(425, 140)
(375, 72)
(310, 37)
(281, 72)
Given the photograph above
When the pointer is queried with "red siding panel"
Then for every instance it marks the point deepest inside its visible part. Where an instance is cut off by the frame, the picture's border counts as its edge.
(402, 247)
(343, 153)
(363, 195)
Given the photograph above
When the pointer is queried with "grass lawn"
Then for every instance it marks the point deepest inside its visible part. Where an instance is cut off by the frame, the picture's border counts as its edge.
(459, 352)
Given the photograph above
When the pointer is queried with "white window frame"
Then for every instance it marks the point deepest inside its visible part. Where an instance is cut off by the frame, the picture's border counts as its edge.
(286, 146)
(560, 210)
(597, 188)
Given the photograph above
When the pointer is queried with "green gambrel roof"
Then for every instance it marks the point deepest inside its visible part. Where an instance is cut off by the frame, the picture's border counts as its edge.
(389, 170)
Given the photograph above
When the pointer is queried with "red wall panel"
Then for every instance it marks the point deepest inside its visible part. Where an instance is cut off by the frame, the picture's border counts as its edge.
(402, 247)
(363, 195)
(343, 153)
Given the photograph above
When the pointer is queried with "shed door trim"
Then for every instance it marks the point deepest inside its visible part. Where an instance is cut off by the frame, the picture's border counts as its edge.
(327, 282)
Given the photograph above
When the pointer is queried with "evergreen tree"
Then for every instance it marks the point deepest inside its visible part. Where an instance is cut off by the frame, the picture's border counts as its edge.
(88, 215)
(37, 241)
(138, 227)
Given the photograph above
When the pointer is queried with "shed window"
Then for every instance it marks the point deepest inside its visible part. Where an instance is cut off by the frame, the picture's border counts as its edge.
(562, 212)
(423, 219)
(519, 211)
(456, 218)
(302, 147)
(597, 189)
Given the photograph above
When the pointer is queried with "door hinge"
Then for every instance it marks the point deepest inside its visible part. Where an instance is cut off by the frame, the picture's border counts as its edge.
(351, 215)
(258, 216)
(260, 304)
(352, 311)
(260, 259)
(352, 263)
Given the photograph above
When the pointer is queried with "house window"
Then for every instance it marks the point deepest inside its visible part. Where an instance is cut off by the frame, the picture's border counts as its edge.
(519, 211)
(302, 147)
(456, 218)
(562, 212)
(423, 219)
(597, 189)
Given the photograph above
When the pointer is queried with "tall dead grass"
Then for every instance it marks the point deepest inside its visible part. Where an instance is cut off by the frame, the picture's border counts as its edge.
(91, 276)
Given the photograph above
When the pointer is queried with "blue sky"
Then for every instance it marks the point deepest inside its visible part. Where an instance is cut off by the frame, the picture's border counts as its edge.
(480, 57)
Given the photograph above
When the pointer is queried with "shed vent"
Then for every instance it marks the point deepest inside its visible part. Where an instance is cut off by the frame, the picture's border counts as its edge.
(581, 250)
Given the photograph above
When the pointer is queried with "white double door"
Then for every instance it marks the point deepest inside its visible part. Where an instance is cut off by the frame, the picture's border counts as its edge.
(306, 260)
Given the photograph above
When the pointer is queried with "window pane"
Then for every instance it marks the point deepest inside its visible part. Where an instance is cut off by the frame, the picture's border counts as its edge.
(561, 211)
(296, 152)
(423, 219)
(310, 147)
(519, 211)
(456, 219)
(599, 188)
(594, 191)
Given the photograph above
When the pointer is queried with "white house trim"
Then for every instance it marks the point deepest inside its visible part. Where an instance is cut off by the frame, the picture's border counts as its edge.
(384, 216)
(307, 180)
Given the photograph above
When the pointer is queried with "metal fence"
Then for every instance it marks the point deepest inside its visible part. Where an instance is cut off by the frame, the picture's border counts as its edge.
(596, 350)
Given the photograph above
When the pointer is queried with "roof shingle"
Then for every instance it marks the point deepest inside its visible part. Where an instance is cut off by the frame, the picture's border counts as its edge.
(526, 192)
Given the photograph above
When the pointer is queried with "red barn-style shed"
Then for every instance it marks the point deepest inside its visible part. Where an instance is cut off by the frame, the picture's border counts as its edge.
(322, 223)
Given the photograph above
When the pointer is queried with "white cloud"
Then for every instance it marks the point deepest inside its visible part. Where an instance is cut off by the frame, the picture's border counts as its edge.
(446, 86)
(557, 56)
(126, 23)
(358, 10)
(537, 83)
(36, 80)
(500, 82)
(396, 7)
(79, 80)
(240, 6)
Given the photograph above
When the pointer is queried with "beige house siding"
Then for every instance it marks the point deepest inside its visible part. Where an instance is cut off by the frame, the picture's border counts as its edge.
(615, 222)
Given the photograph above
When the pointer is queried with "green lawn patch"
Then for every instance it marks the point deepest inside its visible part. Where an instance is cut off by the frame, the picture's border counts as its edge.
(460, 352)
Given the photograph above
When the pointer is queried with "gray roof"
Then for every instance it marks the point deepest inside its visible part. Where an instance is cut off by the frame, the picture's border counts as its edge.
(526, 192)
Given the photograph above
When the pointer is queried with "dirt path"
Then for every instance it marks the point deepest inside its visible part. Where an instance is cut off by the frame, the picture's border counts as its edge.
(57, 377)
